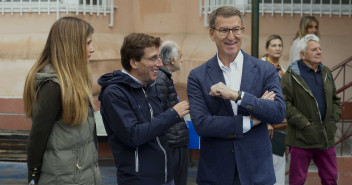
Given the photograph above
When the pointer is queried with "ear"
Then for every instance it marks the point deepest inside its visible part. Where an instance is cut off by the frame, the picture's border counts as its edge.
(302, 54)
(211, 34)
(133, 63)
(243, 30)
(172, 60)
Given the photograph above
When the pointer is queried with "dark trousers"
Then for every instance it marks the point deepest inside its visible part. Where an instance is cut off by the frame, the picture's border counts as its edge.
(180, 161)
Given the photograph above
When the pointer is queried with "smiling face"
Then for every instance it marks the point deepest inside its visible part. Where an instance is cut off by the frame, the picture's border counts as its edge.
(227, 46)
(90, 48)
(312, 57)
(274, 49)
(146, 70)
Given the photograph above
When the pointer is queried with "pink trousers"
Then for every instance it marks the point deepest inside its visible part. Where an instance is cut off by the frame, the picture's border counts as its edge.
(325, 160)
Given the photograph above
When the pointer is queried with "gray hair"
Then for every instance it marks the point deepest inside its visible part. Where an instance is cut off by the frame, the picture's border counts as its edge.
(168, 50)
(302, 44)
(224, 11)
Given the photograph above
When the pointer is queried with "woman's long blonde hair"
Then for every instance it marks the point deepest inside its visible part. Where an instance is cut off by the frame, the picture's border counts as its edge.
(66, 51)
(302, 30)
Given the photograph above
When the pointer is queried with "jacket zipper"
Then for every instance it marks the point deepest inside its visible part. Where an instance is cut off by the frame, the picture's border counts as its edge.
(157, 138)
(311, 96)
(326, 75)
(321, 122)
(326, 140)
(136, 160)
(78, 167)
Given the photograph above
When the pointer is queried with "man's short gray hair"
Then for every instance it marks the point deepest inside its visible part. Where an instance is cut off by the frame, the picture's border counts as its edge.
(168, 49)
(302, 44)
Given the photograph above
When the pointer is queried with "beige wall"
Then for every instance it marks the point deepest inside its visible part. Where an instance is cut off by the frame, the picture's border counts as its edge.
(23, 37)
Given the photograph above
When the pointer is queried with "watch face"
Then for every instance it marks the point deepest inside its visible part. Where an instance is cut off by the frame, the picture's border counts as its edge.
(239, 96)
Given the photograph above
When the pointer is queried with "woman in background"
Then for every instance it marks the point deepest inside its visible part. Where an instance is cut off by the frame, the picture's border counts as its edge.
(308, 25)
(62, 146)
(274, 48)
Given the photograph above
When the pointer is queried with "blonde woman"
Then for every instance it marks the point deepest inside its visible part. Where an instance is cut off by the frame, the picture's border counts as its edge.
(308, 25)
(62, 146)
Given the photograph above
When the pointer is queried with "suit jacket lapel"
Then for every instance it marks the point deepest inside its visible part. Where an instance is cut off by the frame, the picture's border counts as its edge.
(216, 76)
(248, 73)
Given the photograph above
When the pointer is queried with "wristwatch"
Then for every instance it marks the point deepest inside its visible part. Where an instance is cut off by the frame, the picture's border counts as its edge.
(239, 97)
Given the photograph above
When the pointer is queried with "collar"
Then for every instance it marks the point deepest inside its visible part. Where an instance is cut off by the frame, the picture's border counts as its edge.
(166, 71)
(135, 79)
(308, 69)
(237, 63)
(278, 66)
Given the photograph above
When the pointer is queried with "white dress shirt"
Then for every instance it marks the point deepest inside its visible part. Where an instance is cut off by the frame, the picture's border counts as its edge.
(233, 78)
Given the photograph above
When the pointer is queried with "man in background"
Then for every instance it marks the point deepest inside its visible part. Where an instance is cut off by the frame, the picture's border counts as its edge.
(312, 112)
(178, 139)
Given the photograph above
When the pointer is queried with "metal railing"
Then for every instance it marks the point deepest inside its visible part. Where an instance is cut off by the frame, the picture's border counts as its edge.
(316, 7)
(98, 7)
(342, 68)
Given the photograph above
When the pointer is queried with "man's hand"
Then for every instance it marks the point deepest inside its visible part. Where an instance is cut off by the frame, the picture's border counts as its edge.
(271, 131)
(182, 108)
(280, 126)
(268, 95)
(222, 91)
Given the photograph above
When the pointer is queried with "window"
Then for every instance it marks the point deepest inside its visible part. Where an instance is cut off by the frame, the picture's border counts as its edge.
(305, 1)
(88, 2)
(98, 7)
(31, 0)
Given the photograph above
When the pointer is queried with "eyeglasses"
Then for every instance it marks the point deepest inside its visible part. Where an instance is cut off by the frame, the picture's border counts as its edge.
(225, 31)
(154, 58)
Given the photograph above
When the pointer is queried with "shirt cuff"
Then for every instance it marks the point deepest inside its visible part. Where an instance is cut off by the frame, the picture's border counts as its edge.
(246, 124)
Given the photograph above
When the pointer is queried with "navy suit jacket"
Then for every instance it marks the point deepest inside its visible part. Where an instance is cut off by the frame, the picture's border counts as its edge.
(223, 144)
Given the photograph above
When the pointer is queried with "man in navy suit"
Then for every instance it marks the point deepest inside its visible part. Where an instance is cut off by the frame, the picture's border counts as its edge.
(232, 97)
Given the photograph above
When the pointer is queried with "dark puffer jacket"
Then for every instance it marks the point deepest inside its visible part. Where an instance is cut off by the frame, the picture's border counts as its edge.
(178, 133)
